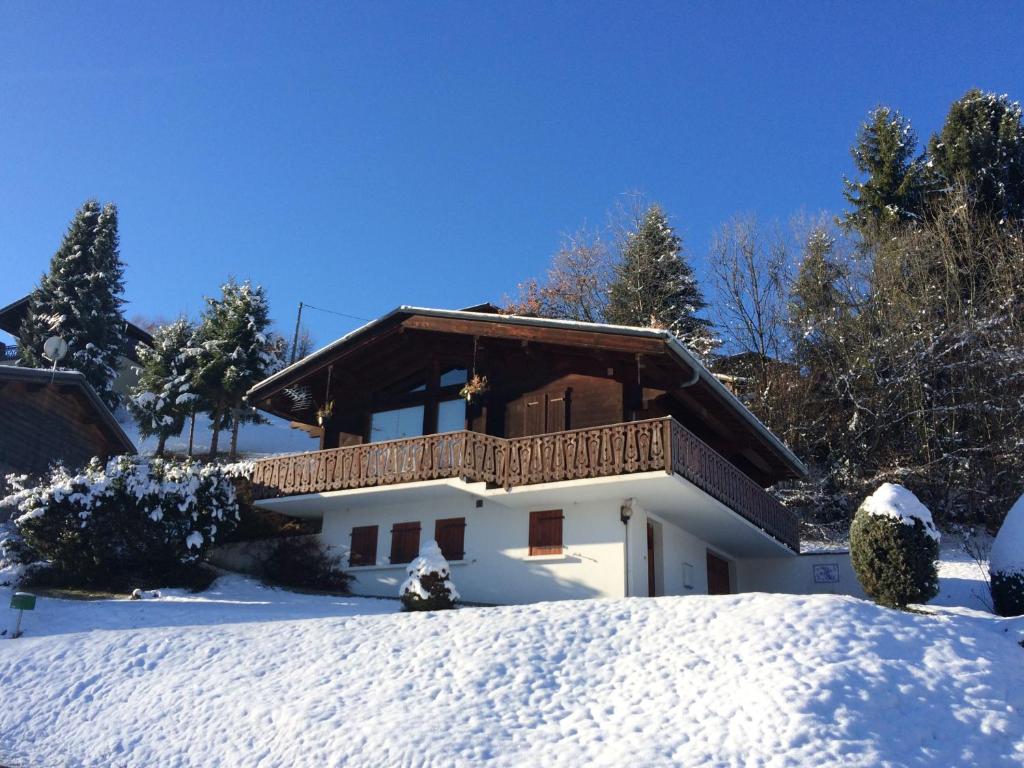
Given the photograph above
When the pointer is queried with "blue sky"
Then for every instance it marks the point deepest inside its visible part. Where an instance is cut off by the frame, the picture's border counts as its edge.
(361, 156)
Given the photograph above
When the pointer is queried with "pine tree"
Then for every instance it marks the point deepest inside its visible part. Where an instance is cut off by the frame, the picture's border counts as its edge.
(654, 285)
(815, 302)
(232, 351)
(162, 400)
(80, 301)
(885, 153)
(982, 146)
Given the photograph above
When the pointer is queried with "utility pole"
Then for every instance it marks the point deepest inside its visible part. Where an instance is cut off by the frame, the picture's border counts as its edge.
(295, 338)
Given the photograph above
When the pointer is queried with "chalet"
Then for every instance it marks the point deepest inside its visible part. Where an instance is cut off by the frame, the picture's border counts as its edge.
(53, 416)
(549, 459)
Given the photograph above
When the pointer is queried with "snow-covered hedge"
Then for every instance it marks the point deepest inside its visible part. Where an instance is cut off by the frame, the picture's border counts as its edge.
(429, 586)
(1006, 563)
(894, 546)
(131, 519)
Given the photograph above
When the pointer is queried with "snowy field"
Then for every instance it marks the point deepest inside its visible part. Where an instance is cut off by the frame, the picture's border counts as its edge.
(247, 676)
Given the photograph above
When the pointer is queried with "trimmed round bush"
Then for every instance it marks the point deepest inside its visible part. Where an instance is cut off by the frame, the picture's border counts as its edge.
(428, 587)
(894, 546)
(1006, 564)
(128, 523)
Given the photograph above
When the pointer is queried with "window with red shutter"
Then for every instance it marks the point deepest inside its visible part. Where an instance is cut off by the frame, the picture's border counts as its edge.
(546, 532)
(405, 542)
(450, 535)
(364, 546)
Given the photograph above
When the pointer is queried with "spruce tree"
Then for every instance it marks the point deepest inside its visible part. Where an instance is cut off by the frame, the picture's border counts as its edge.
(654, 285)
(886, 154)
(79, 299)
(982, 146)
(233, 350)
(163, 398)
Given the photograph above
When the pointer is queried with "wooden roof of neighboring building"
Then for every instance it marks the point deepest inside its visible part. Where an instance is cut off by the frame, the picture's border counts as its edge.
(483, 323)
(12, 316)
(73, 384)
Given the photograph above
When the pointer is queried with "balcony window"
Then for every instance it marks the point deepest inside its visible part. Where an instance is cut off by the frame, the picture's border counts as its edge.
(396, 424)
(451, 415)
(454, 376)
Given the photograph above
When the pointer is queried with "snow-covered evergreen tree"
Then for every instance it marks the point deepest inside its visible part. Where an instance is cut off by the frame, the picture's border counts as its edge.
(886, 153)
(79, 299)
(654, 285)
(233, 349)
(429, 586)
(1006, 563)
(163, 398)
(982, 146)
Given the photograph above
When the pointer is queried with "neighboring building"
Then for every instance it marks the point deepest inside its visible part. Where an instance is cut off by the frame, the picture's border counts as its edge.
(601, 461)
(53, 416)
(13, 314)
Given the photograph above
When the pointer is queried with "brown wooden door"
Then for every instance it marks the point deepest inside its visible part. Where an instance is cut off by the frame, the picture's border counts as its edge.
(718, 575)
(650, 560)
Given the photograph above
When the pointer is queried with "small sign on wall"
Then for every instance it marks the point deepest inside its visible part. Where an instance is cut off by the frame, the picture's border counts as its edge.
(826, 573)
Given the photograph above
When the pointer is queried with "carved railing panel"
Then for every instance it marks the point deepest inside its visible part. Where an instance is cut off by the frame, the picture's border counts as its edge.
(639, 446)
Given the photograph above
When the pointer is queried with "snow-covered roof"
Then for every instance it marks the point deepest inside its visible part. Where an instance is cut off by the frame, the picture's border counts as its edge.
(700, 372)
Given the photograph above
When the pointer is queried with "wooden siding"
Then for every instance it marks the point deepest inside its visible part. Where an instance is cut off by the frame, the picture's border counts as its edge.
(641, 446)
(46, 423)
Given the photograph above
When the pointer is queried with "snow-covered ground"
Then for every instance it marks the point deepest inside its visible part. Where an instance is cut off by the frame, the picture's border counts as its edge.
(248, 676)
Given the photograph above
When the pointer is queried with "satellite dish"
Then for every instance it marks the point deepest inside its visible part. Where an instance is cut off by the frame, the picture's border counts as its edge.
(54, 349)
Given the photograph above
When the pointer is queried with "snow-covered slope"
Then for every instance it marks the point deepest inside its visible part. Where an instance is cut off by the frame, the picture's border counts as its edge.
(247, 676)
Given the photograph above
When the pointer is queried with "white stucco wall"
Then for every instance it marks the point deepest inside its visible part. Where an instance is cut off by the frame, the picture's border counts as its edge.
(796, 575)
(675, 549)
(497, 567)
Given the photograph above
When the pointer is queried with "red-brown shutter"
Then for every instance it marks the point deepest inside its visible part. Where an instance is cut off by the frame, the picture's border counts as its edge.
(364, 546)
(450, 535)
(546, 532)
(405, 542)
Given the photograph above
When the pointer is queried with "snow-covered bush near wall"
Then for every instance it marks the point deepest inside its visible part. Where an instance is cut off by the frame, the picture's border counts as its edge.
(1006, 563)
(429, 586)
(126, 521)
(894, 546)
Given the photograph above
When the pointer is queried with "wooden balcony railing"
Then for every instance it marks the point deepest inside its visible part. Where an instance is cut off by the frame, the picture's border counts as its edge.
(639, 446)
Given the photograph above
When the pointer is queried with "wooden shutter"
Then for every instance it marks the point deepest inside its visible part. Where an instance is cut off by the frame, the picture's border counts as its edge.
(364, 546)
(546, 532)
(405, 542)
(534, 421)
(557, 416)
(450, 535)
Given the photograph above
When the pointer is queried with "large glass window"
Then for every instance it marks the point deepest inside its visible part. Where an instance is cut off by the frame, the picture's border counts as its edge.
(451, 415)
(396, 424)
(454, 376)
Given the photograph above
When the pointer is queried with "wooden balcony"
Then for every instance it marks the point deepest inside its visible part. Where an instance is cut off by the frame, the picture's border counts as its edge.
(618, 449)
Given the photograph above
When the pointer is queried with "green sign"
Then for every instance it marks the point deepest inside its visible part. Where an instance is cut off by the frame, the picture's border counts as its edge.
(23, 601)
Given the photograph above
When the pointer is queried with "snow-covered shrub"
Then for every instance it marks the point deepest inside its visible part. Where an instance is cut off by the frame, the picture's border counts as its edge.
(894, 546)
(1006, 563)
(303, 561)
(129, 520)
(429, 586)
(13, 555)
